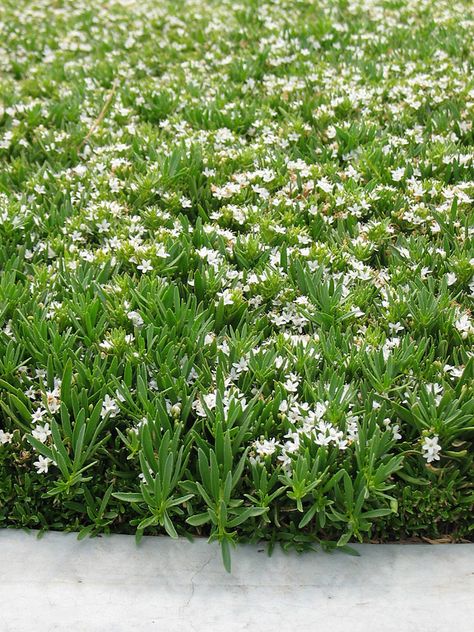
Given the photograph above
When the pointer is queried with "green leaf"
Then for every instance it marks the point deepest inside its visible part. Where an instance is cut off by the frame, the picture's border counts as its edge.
(376, 513)
(169, 527)
(344, 539)
(152, 521)
(225, 550)
(197, 520)
(20, 407)
(66, 382)
(128, 497)
(309, 515)
(245, 514)
(86, 531)
(41, 448)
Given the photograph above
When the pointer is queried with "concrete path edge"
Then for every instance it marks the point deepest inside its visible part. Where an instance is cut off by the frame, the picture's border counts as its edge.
(109, 584)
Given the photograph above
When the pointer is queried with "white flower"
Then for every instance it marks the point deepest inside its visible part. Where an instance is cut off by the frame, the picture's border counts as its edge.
(451, 278)
(136, 319)
(321, 438)
(145, 266)
(210, 400)
(38, 415)
(325, 185)
(464, 325)
(395, 428)
(106, 345)
(396, 432)
(241, 366)
(436, 390)
(30, 393)
(109, 407)
(395, 327)
(291, 384)
(454, 371)
(53, 401)
(120, 396)
(142, 478)
(431, 449)
(141, 423)
(226, 296)
(103, 226)
(266, 447)
(41, 433)
(175, 410)
(5, 437)
(42, 464)
(193, 376)
(209, 339)
(279, 362)
(397, 174)
(352, 429)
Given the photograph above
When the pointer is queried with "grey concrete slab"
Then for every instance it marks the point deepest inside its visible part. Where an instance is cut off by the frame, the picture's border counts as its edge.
(109, 584)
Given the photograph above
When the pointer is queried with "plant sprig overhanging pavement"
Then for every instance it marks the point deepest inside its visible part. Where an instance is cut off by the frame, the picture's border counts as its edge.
(237, 269)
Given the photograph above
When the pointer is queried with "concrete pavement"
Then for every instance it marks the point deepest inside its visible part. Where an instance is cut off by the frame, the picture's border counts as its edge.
(108, 584)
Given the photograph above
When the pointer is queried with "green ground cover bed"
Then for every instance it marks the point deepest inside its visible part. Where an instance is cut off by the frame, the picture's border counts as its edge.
(236, 269)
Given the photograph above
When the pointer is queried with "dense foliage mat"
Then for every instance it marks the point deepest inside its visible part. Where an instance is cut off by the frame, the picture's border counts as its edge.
(237, 268)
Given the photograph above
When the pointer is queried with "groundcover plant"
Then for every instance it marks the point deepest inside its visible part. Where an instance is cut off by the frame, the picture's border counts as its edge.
(237, 269)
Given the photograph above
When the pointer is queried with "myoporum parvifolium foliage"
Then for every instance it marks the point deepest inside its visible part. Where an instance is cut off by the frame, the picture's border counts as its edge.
(236, 269)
